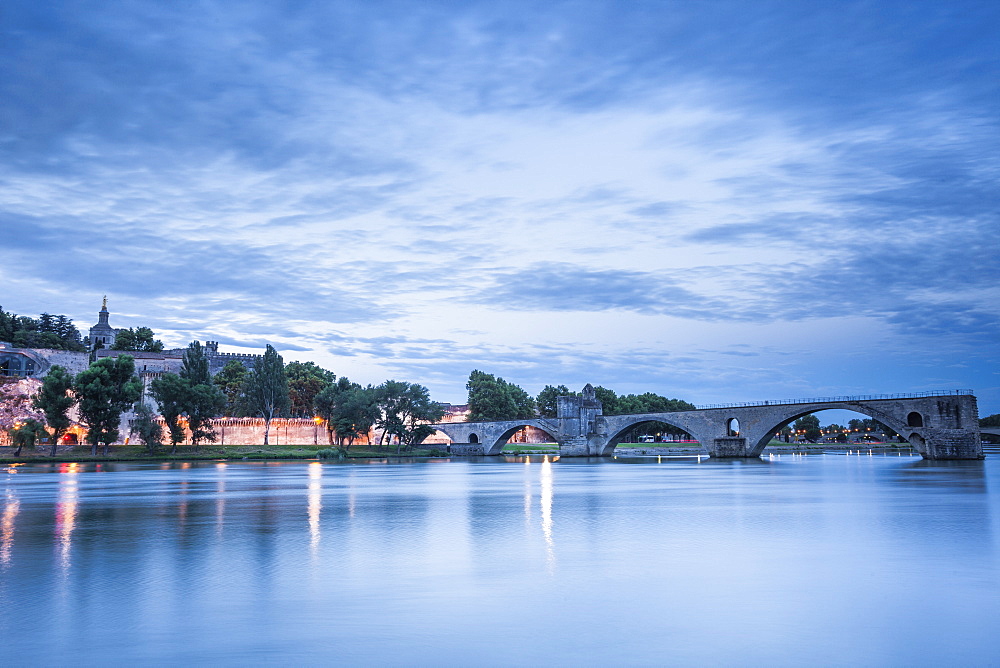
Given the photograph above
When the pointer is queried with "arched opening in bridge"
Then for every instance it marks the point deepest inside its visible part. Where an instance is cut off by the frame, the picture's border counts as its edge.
(655, 436)
(438, 440)
(732, 427)
(473, 438)
(528, 439)
(914, 419)
(835, 428)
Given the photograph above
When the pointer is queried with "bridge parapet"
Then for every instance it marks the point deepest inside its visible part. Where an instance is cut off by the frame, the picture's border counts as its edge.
(940, 426)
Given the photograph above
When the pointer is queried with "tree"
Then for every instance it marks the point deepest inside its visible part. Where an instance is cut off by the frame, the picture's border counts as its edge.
(49, 331)
(202, 400)
(406, 409)
(305, 381)
(809, 424)
(608, 399)
(267, 389)
(546, 400)
(232, 381)
(355, 414)
(171, 393)
(146, 428)
(326, 404)
(26, 434)
(55, 399)
(105, 391)
(493, 398)
(990, 420)
(139, 340)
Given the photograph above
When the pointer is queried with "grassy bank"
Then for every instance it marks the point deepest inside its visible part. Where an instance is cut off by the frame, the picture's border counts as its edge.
(139, 453)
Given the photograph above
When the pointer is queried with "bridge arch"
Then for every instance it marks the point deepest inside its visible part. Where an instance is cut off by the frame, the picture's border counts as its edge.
(496, 447)
(760, 439)
(626, 425)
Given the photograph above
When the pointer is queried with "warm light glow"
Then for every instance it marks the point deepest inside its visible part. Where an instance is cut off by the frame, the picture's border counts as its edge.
(11, 507)
(315, 506)
(546, 504)
(66, 503)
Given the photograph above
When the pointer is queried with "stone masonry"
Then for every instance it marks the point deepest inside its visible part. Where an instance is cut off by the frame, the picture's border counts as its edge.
(938, 427)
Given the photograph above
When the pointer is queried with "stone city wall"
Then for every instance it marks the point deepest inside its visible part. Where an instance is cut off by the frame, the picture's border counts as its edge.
(250, 431)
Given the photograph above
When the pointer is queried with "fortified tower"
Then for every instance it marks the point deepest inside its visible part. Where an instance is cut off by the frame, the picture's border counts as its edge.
(579, 419)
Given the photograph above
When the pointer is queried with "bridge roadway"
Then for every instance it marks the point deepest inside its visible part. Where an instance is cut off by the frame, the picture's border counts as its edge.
(938, 426)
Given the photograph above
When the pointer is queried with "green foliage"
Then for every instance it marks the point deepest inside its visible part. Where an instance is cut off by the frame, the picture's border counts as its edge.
(870, 424)
(809, 425)
(26, 434)
(632, 404)
(203, 400)
(49, 331)
(138, 340)
(326, 405)
(146, 428)
(267, 389)
(171, 393)
(54, 398)
(355, 414)
(339, 454)
(105, 391)
(990, 420)
(493, 398)
(194, 365)
(546, 400)
(232, 381)
(405, 409)
(305, 381)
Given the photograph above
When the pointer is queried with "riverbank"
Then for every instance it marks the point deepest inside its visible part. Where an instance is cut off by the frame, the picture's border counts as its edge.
(138, 453)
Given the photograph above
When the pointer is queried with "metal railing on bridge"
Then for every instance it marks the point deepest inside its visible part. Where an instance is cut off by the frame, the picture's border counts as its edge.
(845, 399)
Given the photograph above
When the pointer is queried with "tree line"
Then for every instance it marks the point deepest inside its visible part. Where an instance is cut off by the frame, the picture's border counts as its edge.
(191, 398)
(56, 332)
(493, 398)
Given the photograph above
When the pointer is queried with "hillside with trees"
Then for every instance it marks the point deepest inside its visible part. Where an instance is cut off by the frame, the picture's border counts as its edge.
(56, 332)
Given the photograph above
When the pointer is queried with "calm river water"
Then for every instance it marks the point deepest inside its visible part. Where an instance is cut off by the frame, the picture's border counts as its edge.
(819, 559)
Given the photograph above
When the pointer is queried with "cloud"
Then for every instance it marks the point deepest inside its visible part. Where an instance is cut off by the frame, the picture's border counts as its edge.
(421, 189)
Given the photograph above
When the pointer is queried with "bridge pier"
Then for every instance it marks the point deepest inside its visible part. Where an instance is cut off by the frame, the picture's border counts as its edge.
(939, 426)
(728, 447)
(947, 444)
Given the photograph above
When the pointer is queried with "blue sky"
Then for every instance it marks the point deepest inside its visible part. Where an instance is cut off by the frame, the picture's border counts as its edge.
(717, 201)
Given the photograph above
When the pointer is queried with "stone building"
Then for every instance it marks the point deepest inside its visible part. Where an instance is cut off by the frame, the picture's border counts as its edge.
(36, 362)
(102, 335)
(151, 365)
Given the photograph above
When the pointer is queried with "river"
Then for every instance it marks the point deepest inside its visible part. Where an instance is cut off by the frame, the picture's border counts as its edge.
(820, 559)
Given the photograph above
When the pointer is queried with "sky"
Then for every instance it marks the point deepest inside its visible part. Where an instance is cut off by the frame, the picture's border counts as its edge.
(714, 201)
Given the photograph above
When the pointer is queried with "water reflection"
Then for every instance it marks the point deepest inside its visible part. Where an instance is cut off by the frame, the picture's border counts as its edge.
(66, 508)
(315, 505)
(821, 536)
(10, 509)
(220, 500)
(546, 504)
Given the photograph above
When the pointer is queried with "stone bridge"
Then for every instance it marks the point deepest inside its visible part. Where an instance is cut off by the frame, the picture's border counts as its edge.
(938, 426)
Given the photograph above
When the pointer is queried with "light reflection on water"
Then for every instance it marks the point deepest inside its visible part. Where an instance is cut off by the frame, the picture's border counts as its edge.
(779, 561)
(11, 506)
(315, 506)
(65, 522)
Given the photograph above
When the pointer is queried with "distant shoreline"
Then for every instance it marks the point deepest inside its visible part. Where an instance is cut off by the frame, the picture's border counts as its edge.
(308, 453)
